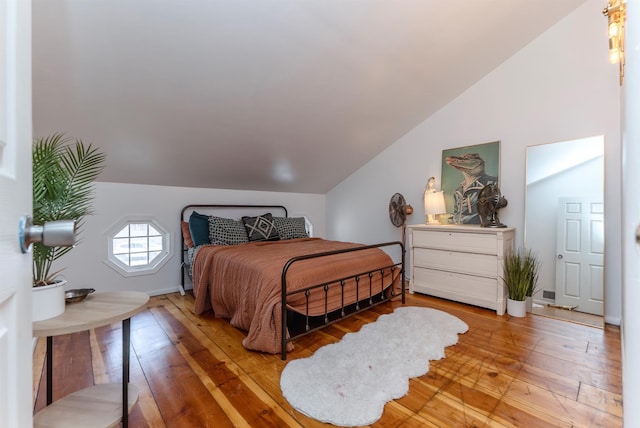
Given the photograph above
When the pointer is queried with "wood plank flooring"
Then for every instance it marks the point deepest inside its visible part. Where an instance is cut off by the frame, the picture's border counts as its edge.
(569, 315)
(192, 371)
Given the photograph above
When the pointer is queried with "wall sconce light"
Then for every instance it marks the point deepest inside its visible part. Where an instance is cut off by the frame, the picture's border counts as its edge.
(433, 202)
(616, 14)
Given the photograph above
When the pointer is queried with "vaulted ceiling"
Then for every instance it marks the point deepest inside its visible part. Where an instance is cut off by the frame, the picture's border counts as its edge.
(278, 95)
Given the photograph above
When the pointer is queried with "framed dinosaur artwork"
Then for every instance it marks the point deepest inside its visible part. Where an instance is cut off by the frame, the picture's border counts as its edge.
(465, 171)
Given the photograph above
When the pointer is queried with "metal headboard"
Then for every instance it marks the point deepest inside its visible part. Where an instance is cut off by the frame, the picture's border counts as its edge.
(218, 209)
(215, 207)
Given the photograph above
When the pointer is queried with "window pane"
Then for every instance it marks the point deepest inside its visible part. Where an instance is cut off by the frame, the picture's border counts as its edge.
(124, 258)
(120, 245)
(123, 233)
(139, 229)
(153, 231)
(138, 245)
(155, 243)
(153, 255)
(140, 259)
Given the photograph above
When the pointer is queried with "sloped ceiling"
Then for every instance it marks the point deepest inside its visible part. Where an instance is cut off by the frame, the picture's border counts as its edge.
(287, 95)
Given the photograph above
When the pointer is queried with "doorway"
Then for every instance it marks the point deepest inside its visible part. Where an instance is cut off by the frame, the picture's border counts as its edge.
(556, 174)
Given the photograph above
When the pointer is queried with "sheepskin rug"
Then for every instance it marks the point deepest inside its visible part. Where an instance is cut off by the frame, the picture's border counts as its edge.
(349, 382)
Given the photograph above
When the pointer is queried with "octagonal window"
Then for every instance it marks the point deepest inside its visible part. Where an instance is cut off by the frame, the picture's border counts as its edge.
(138, 247)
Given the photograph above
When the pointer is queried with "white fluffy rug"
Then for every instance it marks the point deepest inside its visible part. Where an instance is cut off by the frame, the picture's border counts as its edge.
(349, 382)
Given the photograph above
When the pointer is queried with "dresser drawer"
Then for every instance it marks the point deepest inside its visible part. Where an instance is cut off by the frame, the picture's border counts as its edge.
(476, 264)
(465, 242)
(471, 289)
(460, 262)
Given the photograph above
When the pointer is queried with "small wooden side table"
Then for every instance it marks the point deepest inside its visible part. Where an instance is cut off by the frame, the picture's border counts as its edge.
(99, 405)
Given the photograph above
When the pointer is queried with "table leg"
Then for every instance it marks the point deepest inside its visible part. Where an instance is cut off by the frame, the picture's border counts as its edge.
(49, 370)
(126, 343)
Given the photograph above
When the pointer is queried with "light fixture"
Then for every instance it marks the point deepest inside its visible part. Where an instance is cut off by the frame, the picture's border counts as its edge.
(433, 202)
(616, 14)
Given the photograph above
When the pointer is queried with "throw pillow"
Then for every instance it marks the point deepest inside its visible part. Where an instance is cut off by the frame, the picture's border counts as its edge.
(291, 227)
(199, 228)
(186, 234)
(261, 228)
(225, 231)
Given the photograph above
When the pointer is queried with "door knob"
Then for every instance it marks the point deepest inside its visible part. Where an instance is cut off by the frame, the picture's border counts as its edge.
(60, 233)
(559, 256)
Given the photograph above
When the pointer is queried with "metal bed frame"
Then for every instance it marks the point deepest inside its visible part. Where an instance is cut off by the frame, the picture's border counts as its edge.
(377, 293)
(376, 296)
(210, 207)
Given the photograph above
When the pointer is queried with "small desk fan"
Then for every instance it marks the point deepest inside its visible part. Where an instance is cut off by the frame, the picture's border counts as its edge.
(490, 200)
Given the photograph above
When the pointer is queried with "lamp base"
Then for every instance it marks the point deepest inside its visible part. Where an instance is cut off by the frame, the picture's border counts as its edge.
(431, 219)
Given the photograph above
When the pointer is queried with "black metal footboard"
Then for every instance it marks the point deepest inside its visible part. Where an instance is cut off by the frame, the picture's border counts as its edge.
(376, 295)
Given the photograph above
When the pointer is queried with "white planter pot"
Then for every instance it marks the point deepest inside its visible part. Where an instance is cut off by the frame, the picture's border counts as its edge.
(517, 308)
(529, 304)
(48, 301)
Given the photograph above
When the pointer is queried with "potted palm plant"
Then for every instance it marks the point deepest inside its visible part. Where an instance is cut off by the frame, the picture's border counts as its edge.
(63, 176)
(520, 271)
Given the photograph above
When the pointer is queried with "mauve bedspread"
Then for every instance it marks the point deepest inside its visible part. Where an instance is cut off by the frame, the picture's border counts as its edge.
(243, 282)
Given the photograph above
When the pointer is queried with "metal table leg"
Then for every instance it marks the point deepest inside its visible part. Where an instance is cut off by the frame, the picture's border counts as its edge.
(126, 343)
(49, 370)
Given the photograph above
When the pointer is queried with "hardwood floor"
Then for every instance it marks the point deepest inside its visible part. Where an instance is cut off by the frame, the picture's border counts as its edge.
(569, 315)
(192, 371)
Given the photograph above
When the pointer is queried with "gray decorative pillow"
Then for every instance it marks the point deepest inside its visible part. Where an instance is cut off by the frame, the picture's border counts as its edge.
(261, 228)
(290, 227)
(225, 231)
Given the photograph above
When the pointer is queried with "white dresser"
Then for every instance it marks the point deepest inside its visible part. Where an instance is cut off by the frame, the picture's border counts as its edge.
(460, 262)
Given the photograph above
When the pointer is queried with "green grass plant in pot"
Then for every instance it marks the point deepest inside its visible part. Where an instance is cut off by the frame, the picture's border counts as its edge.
(63, 175)
(520, 276)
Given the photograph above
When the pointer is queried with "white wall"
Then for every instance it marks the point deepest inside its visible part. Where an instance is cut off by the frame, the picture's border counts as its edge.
(560, 87)
(631, 220)
(85, 263)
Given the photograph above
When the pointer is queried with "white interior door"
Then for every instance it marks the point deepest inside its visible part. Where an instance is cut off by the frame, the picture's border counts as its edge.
(15, 201)
(580, 255)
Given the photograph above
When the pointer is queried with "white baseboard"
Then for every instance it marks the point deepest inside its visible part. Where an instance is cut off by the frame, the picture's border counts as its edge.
(612, 320)
(161, 291)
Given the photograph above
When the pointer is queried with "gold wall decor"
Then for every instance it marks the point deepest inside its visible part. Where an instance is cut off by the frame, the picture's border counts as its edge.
(616, 14)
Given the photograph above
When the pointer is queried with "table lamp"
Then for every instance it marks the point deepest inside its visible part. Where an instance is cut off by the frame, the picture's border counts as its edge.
(433, 202)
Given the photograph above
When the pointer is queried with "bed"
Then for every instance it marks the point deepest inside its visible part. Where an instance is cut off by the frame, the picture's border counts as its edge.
(260, 269)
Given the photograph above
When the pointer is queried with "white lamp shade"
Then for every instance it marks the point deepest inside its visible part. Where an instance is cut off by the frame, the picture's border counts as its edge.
(434, 203)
